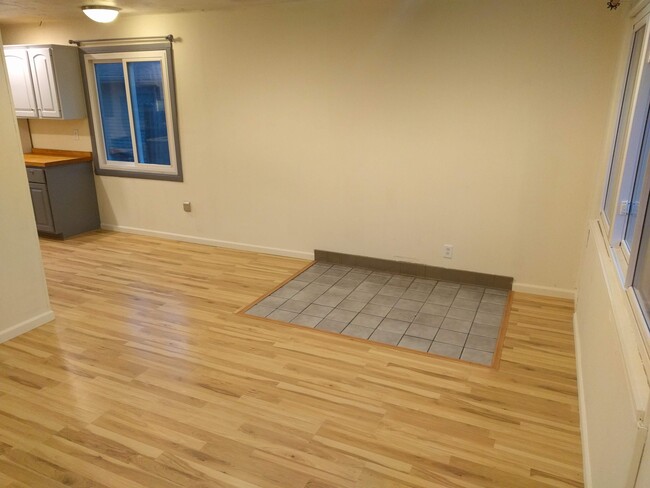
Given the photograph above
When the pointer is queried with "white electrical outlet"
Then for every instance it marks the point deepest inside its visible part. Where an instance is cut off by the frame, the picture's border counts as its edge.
(187, 206)
(447, 251)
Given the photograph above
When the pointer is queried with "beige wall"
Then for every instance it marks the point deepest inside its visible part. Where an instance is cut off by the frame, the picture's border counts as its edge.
(382, 128)
(24, 303)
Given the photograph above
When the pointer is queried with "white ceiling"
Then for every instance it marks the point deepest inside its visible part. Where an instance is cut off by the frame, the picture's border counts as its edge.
(18, 11)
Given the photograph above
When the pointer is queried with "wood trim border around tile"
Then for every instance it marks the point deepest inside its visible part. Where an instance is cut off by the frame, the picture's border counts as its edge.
(416, 269)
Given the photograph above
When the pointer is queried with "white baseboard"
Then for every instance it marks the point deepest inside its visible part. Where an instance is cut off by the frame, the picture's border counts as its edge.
(544, 290)
(582, 407)
(26, 326)
(211, 242)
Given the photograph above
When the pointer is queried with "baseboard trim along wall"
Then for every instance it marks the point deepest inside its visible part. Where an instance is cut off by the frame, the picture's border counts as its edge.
(211, 242)
(547, 291)
(520, 287)
(26, 326)
(582, 406)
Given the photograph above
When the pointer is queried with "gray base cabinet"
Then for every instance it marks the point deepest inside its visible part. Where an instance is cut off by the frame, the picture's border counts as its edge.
(64, 199)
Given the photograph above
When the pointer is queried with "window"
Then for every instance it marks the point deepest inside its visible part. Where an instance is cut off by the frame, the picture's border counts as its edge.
(130, 93)
(625, 210)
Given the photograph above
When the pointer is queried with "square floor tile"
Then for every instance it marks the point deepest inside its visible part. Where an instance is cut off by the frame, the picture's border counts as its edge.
(306, 320)
(337, 273)
(365, 320)
(481, 343)
(485, 330)
(498, 299)
(260, 310)
(451, 337)
(309, 275)
(401, 280)
(463, 303)
(444, 300)
(340, 290)
(361, 296)
(418, 296)
(447, 350)
(494, 308)
(282, 315)
(351, 305)
(358, 331)
(385, 300)
(428, 319)
(469, 294)
(294, 306)
(456, 325)
(349, 282)
(392, 325)
(411, 305)
(372, 309)
(404, 315)
(341, 315)
(415, 343)
(420, 287)
(434, 309)
(369, 287)
(392, 291)
(378, 278)
(461, 314)
(331, 325)
(487, 318)
(385, 337)
(328, 300)
(326, 280)
(422, 331)
(318, 310)
(480, 357)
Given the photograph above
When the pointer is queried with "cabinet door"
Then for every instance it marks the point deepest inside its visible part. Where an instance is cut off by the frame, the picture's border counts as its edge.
(42, 210)
(47, 98)
(20, 80)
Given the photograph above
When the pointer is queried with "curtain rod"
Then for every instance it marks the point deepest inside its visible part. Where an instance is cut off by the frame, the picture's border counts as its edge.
(169, 38)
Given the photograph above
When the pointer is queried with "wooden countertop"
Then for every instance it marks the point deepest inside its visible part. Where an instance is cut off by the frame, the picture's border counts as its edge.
(43, 158)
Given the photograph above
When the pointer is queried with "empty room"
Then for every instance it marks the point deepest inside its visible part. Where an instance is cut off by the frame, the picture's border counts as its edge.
(325, 243)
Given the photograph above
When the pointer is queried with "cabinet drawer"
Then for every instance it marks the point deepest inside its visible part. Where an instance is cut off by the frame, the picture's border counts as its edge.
(36, 175)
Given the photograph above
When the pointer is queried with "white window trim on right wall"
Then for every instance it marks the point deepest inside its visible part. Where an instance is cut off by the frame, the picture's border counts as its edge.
(142, 52)
(614, 230)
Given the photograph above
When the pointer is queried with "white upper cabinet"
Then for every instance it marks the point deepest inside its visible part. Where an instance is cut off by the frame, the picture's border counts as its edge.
(46, 81)
(20, 80)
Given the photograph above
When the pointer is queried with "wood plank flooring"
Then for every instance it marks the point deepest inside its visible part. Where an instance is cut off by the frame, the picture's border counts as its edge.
(147, 378)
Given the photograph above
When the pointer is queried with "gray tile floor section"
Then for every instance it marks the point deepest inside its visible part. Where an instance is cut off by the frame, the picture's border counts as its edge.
(442, 318)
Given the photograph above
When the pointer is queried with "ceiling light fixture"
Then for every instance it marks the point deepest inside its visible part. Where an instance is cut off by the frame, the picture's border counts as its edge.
(100, 13)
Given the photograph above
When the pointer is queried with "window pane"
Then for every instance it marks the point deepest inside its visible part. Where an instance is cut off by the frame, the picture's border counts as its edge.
(621, 131)
(638, 184)
(641, 281)
(114, 111)
(148, 106)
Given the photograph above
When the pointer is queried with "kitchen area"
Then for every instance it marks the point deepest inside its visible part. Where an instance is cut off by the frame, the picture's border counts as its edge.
(47, 87)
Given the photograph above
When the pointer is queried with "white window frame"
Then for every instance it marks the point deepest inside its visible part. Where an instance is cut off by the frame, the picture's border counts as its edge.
(125, 54)
(624, 258)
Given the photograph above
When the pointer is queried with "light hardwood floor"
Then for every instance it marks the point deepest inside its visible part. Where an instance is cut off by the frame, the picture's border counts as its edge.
(148, 379)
